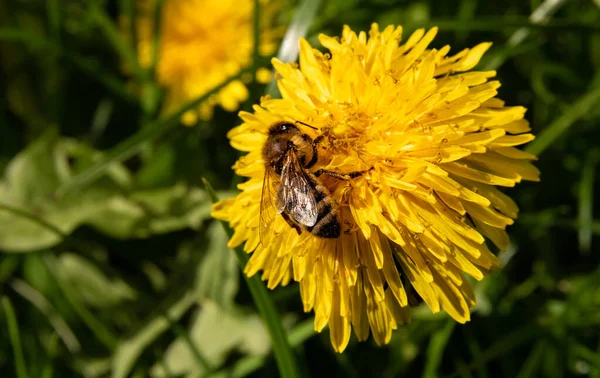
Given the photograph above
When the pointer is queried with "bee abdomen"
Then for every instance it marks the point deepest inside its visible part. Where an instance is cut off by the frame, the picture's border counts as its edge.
(328, 224)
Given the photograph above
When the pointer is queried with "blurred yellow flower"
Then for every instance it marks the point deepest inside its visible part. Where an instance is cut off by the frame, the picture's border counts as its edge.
(202, 43)
(438, 143)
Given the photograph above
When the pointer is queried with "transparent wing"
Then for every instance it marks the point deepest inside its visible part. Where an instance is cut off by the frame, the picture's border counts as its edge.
(296, 193)
(267, 207)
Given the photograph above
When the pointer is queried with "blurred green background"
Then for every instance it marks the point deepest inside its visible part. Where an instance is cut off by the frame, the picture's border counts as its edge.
(110, 265)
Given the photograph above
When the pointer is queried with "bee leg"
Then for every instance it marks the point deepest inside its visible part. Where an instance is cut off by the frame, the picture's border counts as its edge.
(340, 176)
(291, 223)
(315, 152)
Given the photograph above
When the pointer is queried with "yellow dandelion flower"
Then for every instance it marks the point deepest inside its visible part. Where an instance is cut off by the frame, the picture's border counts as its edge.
(202, 43)
(431, 143)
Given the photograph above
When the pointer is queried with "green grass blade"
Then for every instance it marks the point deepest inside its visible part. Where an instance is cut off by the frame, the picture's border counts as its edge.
(503, 346)
(18, 35)
(151, 96)
(475, 350)
(115, 38)
(345, 366)
(129, 11)
(540, 15)
(499, 24)
(53, 7)
(437, 346)
(157, 27)
(134, 144)
(533, 361)
(266, 308)
(15, 338)
(586, 354)
(465, 13)
(52, 349)
(85, 65)
(596, 372)
(45, 307)
(298, 28)
(99, 329)
(586, 202)
(129, 350)
(462, 370)
(556, 129)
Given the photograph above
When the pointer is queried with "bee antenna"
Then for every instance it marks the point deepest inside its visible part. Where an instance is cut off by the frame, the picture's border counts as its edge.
(306, 124)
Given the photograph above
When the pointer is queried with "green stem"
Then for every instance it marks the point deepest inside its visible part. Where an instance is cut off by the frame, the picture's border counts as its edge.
(15, 338)
(266, 307)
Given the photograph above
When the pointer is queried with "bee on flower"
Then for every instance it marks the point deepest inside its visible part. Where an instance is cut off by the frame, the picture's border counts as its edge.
(197, 53)
(403, 150)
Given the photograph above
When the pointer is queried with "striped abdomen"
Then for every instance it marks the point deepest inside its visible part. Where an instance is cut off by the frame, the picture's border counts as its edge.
(328, 223)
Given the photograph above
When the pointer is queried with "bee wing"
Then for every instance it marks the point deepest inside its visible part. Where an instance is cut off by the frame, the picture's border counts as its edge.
(267, 211)
(296, 193)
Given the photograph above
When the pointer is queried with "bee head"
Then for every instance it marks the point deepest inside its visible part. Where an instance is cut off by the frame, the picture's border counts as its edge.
(283, 128)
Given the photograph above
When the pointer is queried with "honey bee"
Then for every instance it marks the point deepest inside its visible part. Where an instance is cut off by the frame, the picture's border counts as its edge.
(291, 189)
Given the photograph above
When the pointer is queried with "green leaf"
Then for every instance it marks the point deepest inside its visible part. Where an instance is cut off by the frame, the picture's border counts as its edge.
(216, 333)
(128, 351)
(218, 275)
(35, 219)
(144, 213)
(32, 218)
(91, 284)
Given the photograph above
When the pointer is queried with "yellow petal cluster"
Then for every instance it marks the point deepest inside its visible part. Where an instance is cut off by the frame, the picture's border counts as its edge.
(202, 43)
(440, 144)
